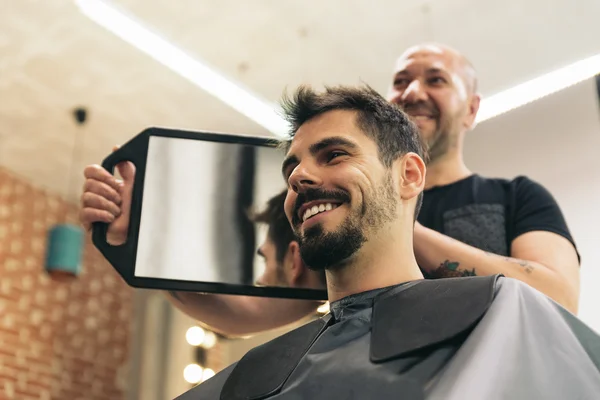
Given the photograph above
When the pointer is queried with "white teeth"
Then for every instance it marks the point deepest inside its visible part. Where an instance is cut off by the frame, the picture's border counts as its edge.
(314, 210)
(306, 215)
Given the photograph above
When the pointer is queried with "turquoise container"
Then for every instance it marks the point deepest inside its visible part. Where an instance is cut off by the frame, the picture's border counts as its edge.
(64, 250)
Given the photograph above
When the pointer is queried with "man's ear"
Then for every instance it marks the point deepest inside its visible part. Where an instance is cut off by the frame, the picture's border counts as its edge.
(297, 266)
(470, 119)
(412, 175)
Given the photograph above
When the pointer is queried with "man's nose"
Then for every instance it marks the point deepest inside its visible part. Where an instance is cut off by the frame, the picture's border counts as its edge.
(303, 178)
(414, 92)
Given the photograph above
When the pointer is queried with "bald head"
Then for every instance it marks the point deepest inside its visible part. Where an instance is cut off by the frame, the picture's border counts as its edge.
(461, 64)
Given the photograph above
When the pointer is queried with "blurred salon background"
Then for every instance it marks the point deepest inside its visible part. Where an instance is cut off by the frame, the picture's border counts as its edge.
(79, 77)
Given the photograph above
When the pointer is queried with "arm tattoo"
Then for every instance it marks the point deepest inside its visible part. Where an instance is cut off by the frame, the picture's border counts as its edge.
(449, 269)
(528, 268)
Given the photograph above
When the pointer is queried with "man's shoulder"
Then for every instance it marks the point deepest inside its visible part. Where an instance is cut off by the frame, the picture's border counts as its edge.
(487, 188)
(515, 181)
(523, 299)
(518, 304)
(519, 183)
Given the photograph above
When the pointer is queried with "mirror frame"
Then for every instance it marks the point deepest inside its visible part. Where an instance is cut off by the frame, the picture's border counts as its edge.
(123, 257)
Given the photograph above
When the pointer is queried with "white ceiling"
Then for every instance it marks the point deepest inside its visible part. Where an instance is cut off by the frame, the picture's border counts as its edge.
(52, 58)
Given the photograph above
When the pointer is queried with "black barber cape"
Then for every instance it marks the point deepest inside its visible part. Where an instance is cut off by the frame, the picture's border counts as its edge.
(453, 339)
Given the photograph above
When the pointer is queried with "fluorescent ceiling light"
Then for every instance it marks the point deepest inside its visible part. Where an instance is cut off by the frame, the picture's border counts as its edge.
(232, 94)
(537, 88)
(266, 114)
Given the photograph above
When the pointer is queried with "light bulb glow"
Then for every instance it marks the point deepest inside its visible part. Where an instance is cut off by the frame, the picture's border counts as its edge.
(207, 374)
(193, 373)
(210, 339)
(323, 308)
(195, 336)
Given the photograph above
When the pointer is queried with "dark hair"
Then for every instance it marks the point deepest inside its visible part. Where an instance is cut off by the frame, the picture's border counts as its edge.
(382, 121)
(280, 231)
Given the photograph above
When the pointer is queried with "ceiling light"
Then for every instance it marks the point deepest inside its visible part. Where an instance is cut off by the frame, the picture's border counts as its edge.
(537, 88)
(196, 71)
(265, 113)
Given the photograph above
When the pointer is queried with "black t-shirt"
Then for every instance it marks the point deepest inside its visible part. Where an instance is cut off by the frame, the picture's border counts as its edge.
(490, 213)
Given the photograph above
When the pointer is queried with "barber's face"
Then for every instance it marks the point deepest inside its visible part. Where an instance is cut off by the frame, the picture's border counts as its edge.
(430, 88)
(339, 192)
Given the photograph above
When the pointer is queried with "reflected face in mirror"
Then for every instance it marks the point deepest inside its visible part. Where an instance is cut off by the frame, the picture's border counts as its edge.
(339, 190)
(436, 86)
(274, 273)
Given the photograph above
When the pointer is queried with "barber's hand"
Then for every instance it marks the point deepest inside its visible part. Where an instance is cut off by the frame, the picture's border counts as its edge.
(107, 199)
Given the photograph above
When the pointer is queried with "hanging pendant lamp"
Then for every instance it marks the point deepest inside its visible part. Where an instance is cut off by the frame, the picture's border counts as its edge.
(64, 248)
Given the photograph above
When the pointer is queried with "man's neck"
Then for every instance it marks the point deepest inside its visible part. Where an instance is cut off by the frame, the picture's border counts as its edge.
(446, 170)
(373, 269)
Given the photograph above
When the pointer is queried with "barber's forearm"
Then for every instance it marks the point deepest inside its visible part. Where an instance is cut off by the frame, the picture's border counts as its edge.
(239, 315)
(217, 312)
(440, 255)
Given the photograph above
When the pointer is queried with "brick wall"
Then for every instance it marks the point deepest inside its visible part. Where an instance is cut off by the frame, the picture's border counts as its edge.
(63, 341)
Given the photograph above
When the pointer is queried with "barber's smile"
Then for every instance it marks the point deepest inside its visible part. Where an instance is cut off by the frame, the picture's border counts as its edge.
(421, 117)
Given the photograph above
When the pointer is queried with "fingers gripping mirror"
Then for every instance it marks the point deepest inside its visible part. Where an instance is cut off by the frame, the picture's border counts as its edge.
(191, 224)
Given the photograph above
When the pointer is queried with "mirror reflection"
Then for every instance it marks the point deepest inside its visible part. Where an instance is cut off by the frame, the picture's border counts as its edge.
(200, 200)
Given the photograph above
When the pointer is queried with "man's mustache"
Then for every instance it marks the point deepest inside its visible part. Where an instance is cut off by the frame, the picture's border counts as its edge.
(421, 107)
(315, 195)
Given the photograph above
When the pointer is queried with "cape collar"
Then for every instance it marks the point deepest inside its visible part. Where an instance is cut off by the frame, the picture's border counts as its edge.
(405, 321)
(427, 314)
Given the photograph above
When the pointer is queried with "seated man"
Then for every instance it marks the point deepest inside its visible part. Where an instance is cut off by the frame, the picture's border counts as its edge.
(355, 176)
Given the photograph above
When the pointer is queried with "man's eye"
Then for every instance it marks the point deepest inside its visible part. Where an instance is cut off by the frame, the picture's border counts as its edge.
(334, 154)
(437, 80)
(400, 82)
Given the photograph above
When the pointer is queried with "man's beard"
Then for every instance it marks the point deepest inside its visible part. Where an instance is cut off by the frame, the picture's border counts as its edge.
(442, 138)
(329, 250)
(438, 146)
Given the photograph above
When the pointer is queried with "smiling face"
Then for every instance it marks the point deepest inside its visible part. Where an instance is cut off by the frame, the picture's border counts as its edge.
(436, 87)
(340, 194)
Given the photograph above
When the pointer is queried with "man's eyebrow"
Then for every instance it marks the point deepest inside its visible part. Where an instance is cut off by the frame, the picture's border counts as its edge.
(331, 141)
(317, 147)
